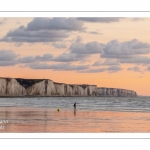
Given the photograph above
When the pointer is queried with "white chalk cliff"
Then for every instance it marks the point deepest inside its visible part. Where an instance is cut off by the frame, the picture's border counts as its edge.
(45, 87)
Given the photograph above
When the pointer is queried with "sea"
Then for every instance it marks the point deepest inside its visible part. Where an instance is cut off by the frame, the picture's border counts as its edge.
(131, 104)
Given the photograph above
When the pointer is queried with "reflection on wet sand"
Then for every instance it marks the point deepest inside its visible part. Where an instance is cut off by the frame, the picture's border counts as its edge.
(74, 112)
(50, 120)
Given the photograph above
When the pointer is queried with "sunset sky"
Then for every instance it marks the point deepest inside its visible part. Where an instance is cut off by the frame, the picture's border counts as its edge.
(105, 51)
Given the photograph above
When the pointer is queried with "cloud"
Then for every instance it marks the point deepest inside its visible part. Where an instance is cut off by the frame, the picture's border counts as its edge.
(114, 69)
(78, 39)
(93, 70)
(71, 24)
(8, 58)
(44, 30)
(59, 45)
(95, 32)
(31, 59)
(148, 68)
(97, 63)
(65, 57)
(68, 57)
(112, 49)
(116, 49)
(137, 19)
(7, 63)
(88, 48)
(135, 69)
(136, 60)
(110, 69)
(27, 59)
(2, 22)
(45, 57)
(110, 62)
(100, 19)
(7, 55)
(18, 44)
(61, 67)
(21, 35)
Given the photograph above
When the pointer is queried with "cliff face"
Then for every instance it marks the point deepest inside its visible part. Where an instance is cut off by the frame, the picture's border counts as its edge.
(36, 89)
(3, 87)
(10, 87)
(115, 92)
(44, 87)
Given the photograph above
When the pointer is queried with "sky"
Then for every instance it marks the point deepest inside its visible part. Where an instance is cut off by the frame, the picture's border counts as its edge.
(104, 51)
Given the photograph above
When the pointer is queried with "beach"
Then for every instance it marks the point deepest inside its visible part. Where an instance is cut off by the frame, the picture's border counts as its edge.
(42, 120)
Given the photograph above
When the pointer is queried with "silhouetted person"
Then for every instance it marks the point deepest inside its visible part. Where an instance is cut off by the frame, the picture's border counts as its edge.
(74, 109)
(74, 106)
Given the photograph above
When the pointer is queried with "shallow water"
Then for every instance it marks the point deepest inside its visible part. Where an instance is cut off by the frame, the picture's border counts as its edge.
(93, 114)
(138, 104)
(50, 120)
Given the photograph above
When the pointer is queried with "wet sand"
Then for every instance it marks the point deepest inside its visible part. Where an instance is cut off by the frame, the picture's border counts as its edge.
(32, 120)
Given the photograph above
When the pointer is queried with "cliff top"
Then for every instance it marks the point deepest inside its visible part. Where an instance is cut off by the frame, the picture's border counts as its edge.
(29, 82)
(114, 88)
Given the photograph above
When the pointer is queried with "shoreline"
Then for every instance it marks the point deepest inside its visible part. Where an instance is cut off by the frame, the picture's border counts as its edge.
(65, 109)
(34, 96)
(37, 120)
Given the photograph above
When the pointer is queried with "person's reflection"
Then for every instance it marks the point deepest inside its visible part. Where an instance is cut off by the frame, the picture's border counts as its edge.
(74, 112)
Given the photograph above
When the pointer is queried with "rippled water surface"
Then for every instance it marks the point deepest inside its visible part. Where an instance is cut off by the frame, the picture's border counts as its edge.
(83, 103)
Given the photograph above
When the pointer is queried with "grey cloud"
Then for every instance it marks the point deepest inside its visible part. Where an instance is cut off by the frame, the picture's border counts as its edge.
(110, 69)
(114, 68)
(137, 60)
(65, 57)
(44, 30)
(21, 35)
(59, 45)
(45, 57)
(61, 67)
(118, 56)
(18, 44)
(8, 58)
(68, 57)
(97, 63)
(93, 70)
(95, 32)
(137, 19)
(31, 59)
(1, 22)
(78, 39)
(8, 63)
(136, 69)
(88, 48)
(27, 59)
(148, 68)
(110, 62)
(57, 23)
(7, 55)
(100, 19)
(115, 49)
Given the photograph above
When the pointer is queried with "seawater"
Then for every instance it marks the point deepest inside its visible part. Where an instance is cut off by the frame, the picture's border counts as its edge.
(136, 104)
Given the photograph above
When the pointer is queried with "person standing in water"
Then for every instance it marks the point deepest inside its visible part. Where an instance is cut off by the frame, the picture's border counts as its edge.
(74, 109)
(74, 106)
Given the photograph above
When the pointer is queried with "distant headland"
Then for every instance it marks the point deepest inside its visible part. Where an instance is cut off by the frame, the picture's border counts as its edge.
(14, 87)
